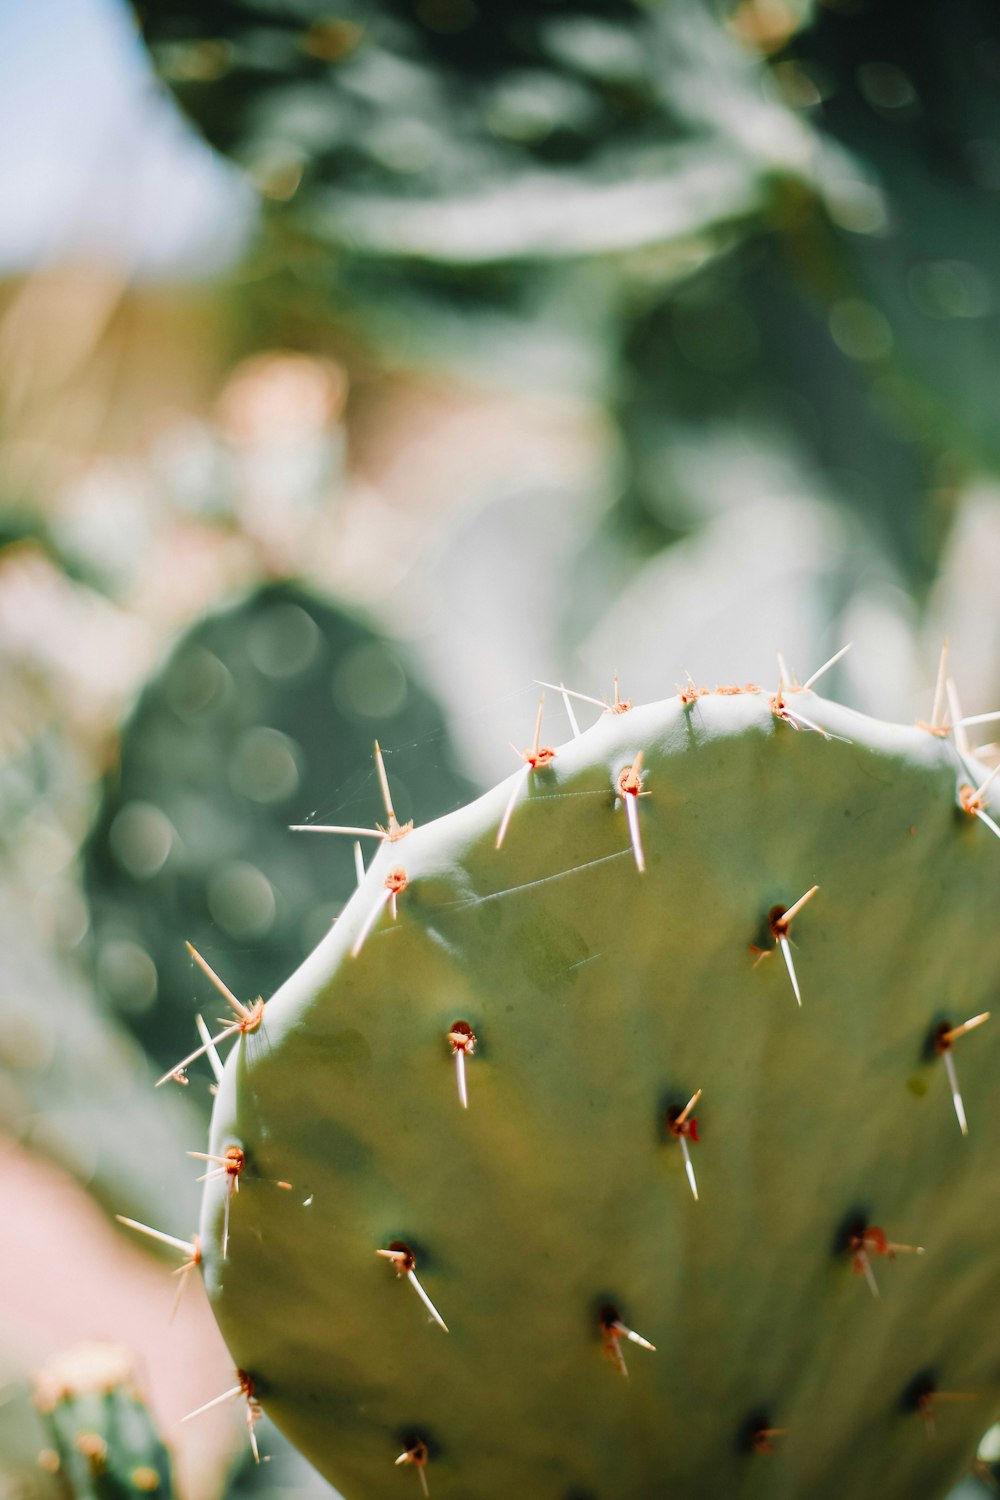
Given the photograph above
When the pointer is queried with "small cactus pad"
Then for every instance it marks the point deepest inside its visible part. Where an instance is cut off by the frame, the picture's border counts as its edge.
(610, 1334)
(104, 1444)
(262, 716)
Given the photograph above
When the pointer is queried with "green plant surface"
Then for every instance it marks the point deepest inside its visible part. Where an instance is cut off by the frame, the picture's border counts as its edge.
(914, 99)
(104, 1443)
(603, 997)
(476, 185)
(693, 213)
(263, 715)
(464, 135)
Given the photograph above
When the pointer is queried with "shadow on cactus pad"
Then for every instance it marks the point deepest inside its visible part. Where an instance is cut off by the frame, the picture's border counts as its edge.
(264, 715)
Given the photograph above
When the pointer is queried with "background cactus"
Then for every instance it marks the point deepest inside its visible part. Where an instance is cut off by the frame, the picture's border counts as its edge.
(553, 1216)
(104, 1445)
(725, 222)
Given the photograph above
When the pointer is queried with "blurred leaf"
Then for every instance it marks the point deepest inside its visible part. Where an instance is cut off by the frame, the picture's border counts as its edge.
(759, 212)
(914, 93)
(553, 216)
(492, 142)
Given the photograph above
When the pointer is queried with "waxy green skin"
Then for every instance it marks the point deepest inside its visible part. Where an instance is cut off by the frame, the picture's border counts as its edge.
(600, 997)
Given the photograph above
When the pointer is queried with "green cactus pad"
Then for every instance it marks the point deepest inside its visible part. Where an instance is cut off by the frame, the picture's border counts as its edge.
(103, 1439)
(557, 1205)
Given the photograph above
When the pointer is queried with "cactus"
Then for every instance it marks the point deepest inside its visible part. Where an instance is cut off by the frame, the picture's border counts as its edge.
(103, 1441)
(606, 1109)
(261, 715)
(444, 135)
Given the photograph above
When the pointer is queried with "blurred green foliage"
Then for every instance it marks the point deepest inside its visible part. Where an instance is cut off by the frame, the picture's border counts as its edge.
(913, 93)
(464, 134)
(708, 214)
(512, 167)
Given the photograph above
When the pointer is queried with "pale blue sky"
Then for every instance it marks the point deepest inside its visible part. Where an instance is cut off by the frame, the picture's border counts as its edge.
(95, 161)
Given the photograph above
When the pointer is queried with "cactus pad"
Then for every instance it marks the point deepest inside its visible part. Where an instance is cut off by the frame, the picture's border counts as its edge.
(104, 1443)
(262, 714)
(587, 1001)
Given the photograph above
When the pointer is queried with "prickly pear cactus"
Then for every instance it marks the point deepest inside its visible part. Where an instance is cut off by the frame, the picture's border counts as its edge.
(619, 1168)
(104, 1444)
(261, 716)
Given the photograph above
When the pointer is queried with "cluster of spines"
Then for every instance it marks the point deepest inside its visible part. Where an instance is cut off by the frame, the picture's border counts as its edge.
(863, 1243)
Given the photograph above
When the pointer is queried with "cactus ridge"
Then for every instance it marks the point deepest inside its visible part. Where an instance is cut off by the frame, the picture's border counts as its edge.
(628, 964)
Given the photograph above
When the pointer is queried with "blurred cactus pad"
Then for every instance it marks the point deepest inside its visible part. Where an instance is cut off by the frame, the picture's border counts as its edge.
(263, 715)
(466, 135)
(777, 1199)
(104, 1443)
(779, 215)
(482, 184)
